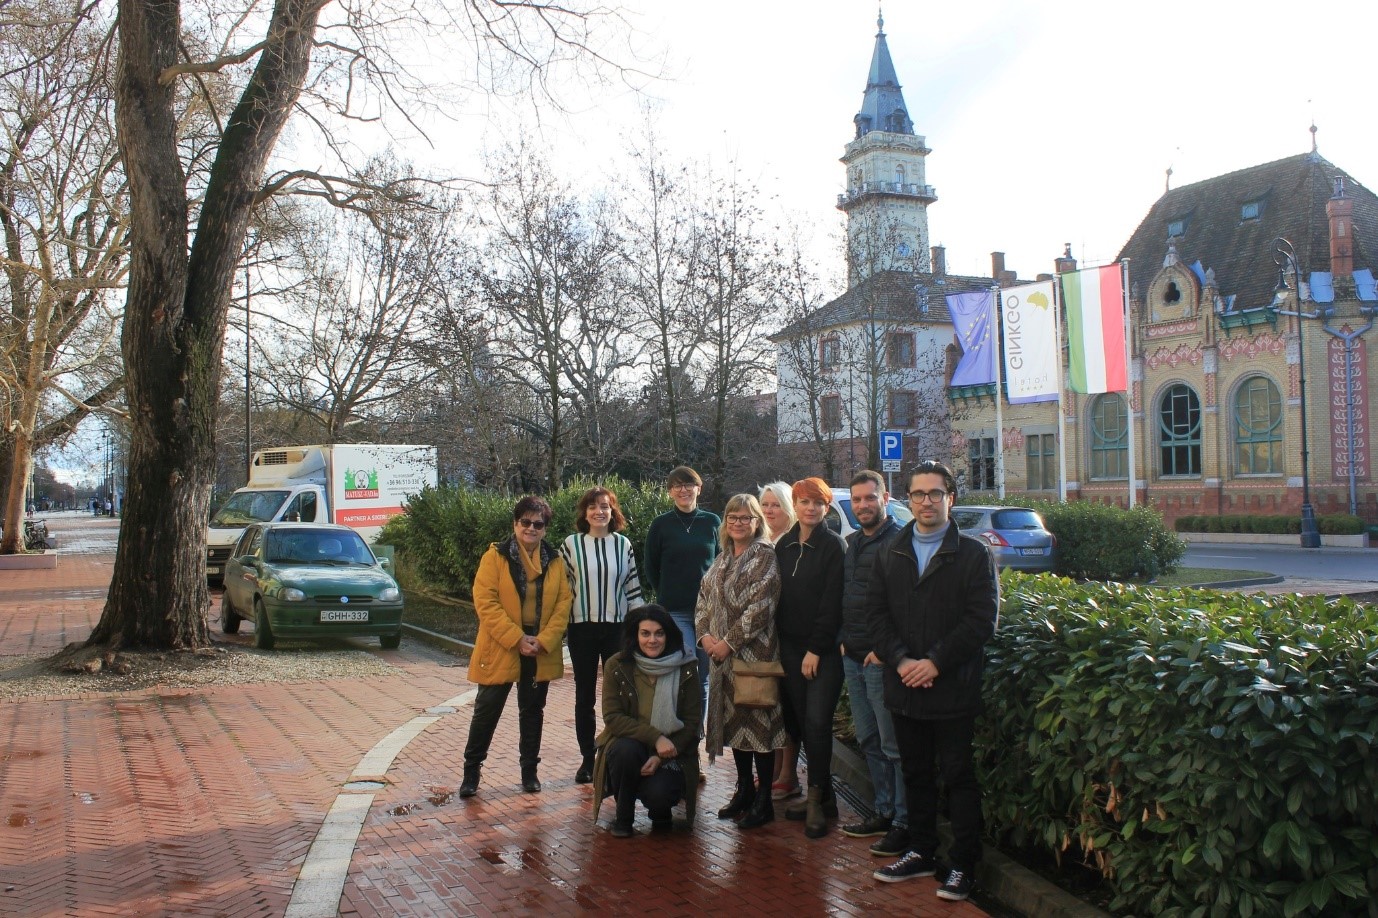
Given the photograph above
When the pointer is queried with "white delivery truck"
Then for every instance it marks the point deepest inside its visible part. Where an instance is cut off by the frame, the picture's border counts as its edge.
(361, 485)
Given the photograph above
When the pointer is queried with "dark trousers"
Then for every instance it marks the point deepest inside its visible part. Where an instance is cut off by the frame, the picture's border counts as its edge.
(624, 782)
(941, 748)
(812, 703)
(589, 642)
(530, 717)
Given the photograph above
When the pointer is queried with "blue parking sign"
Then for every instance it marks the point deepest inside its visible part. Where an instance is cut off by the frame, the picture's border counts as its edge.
(891, 445)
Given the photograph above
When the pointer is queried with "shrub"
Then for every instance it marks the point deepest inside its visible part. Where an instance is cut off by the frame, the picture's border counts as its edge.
(1210, 753)
(1327, 524)
(446, 530)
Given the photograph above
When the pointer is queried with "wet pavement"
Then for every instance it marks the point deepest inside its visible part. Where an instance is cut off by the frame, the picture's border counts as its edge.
(336, 796)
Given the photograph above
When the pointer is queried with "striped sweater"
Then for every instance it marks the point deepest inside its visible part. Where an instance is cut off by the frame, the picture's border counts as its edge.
(604, 577)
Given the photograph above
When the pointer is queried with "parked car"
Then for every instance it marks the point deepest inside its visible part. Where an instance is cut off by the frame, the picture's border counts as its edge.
(1016, 535)
(304, 580)
(842, 520)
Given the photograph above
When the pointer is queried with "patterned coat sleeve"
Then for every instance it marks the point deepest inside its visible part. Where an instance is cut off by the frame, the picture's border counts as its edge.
(754, 587)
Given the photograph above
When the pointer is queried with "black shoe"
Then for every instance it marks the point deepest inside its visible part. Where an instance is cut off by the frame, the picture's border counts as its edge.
(762, 810)
(911, 866)
(662, 820)
(469, 786)
(876, 825)
(622, 829)
(895, 842)
(741, 802)
(530, 783)
(957, 886)
(585, 773)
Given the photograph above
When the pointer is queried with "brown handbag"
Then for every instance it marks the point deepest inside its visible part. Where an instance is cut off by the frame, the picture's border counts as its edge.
(756, 685)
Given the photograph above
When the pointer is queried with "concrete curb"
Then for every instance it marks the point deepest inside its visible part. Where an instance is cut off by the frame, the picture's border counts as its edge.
(1011, 884)
(1232, 584)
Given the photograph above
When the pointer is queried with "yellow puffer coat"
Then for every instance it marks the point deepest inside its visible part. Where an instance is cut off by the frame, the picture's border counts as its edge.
(498, 603)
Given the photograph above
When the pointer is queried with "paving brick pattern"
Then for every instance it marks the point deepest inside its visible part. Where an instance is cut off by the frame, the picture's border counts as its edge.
(206, 801)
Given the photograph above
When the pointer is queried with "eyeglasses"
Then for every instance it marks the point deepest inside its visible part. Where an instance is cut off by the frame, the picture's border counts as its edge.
(740, 520)
(683, 486)
(532, 524)
(928, 497)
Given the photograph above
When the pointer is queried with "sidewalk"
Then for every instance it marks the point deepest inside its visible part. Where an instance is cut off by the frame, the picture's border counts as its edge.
(175, 801)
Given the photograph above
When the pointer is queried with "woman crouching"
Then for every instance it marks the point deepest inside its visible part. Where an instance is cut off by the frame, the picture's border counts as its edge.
(652, 705)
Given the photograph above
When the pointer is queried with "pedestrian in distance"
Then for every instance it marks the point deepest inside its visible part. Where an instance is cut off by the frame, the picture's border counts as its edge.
(777, 503)
(931, 606)
(863, 671)
(809, 617)
(735, 619)
(648, 749)
(522, 597)
(603, 576)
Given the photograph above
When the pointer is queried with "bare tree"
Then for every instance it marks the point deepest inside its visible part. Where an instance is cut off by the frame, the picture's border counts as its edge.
(186, 237)
(63, 225)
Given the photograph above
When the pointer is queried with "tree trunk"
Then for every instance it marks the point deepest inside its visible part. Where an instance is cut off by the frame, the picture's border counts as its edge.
(20, 458)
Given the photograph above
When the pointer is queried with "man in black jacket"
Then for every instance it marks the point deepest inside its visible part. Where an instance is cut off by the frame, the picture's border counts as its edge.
(932, 605)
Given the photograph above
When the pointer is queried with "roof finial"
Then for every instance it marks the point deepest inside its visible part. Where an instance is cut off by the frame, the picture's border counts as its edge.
(880, 19)
(1314, 129)
(1167, 180)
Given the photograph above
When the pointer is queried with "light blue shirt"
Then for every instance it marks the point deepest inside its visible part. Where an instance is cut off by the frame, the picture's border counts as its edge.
(926, 546)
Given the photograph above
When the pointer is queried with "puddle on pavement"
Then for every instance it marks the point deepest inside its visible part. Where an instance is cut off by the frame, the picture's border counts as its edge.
(403, 809)
(84, 797)
(438, 796)
(364, 785)
(441, 709)
(19, 820)
(21, 754)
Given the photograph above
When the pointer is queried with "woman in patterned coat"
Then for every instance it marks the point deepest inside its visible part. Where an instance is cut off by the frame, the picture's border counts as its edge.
(735, 616)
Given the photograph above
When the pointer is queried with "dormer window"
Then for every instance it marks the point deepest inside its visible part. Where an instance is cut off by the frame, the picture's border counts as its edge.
(1177, 228)
(1172, 294)
(1251, 210)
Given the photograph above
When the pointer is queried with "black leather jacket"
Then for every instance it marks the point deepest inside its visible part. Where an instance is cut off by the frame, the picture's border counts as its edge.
(857, 565)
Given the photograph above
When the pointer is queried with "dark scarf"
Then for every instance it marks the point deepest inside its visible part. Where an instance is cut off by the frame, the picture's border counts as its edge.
(512, 550)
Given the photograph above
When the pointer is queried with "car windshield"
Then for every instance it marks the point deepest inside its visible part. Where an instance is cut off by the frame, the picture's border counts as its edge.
(1016, 519)
(245, 507)
(316, 546)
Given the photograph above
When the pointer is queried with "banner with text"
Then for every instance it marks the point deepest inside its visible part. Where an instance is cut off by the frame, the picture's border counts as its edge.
(1031, 348)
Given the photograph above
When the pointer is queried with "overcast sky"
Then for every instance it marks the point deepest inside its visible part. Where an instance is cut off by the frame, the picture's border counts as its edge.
(1050, 122)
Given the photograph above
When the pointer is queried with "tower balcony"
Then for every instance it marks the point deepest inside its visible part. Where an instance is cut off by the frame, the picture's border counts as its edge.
(853, 196)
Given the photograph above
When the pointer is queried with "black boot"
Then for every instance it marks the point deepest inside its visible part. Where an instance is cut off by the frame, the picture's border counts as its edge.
(762, 810)
(626, 816)
(469, 786)
(530, 783)
(585, 773)
(741, 802)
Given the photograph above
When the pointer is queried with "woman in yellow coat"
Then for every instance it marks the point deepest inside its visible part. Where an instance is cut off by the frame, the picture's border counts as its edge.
(522, 597)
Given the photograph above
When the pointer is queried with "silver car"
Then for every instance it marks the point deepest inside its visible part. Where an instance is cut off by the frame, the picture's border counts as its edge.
(1016, 535)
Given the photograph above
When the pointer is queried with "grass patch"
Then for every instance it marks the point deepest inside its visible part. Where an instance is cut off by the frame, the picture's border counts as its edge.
(1195, 576)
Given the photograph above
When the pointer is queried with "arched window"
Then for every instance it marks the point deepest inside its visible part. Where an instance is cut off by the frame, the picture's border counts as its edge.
(1258, 428)
(899, 175)
(1179, 432)
(1109, 437)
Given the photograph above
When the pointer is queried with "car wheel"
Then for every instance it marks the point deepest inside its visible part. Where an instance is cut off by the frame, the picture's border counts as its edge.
(390, 641)
(263, 632)
(229, 618)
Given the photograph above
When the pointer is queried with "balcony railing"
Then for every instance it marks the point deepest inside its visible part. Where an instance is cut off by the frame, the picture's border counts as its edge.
(905, 189)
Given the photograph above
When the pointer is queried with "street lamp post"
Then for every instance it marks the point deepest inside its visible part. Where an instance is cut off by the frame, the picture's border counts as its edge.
(1285, 257)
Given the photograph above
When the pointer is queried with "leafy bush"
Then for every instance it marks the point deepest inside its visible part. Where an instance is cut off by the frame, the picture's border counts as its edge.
(1327, 524)
(1210, 753)
(446, 530)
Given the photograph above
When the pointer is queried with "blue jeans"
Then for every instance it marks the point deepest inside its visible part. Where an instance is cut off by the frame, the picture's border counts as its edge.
(875, 734)
(685, 620)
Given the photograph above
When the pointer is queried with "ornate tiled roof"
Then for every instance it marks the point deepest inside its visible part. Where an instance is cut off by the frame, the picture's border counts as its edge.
(888, 296)
(1288, 196)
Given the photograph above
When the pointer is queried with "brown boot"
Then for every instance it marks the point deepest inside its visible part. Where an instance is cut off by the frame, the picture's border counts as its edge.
(815, 822)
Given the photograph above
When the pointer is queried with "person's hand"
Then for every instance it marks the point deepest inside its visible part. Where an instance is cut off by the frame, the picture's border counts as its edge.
(810, 665)
(872, 660)
(917, 673)
(528, 646)
(650, 767)
(665, 749)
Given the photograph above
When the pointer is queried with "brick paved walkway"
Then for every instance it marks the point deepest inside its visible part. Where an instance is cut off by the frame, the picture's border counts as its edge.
(207, 801)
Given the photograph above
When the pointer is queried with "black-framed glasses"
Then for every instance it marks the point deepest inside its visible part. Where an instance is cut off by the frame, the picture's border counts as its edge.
(740, 520)
(532, 524)
(928, 497)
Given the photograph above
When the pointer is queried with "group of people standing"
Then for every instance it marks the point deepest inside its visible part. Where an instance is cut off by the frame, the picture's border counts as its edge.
(898, 614)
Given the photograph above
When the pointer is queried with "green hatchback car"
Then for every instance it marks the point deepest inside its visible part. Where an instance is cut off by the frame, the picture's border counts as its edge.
(305, 580)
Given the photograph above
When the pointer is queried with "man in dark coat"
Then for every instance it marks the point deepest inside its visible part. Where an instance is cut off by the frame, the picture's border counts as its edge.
(931, 606)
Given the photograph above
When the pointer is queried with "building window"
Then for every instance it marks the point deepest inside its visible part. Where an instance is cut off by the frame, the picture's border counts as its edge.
(1258, 428)
(1109, 437)
(1179, 432)
(1251, 210)
(900, 350)
(899, 176)
(904, 409)
(829, 352)
(1040, 462)
(1177, 228)
(830, 413)
(981, 463)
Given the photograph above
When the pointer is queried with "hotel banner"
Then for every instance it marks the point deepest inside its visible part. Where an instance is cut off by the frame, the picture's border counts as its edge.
(1031, 347)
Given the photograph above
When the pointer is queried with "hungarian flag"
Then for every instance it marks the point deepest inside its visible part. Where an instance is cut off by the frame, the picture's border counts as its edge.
(1094, 304)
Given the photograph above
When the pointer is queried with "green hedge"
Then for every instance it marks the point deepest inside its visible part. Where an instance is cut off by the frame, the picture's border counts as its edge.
(1103, 542)
(1327, 523)
(1210, 753)
(446, 530)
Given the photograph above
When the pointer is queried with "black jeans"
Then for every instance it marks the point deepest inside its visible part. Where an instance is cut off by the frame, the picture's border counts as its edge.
(589, 642)
(530, 717)
(624, 782)
(948, 744)
(813, 703)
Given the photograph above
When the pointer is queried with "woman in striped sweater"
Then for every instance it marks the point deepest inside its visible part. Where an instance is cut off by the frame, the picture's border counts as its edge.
(602, 572)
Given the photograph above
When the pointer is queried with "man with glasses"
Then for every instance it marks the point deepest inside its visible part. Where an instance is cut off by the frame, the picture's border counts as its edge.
(680, 545)
(931, 606)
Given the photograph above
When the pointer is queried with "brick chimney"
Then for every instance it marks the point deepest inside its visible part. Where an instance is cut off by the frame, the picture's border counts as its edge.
(1340, 210)
(939, 261)
(1065, 263)
(997, 265)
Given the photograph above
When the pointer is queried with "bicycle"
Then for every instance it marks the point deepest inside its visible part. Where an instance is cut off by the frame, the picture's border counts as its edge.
(35, 535)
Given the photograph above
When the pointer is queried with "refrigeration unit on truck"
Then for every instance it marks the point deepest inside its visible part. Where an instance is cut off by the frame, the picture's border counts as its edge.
(360, 485)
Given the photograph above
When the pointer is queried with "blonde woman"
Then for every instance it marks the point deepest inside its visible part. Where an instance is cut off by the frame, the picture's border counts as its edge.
(735, 616)
(777, 503)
